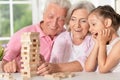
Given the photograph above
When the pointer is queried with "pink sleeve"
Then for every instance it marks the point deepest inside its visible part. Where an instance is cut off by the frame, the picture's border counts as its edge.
(13, 47)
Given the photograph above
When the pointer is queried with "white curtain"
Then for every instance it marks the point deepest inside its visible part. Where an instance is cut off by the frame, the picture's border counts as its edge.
(37, 13)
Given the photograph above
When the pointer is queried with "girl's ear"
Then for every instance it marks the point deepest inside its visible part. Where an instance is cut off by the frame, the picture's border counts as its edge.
(108, 22)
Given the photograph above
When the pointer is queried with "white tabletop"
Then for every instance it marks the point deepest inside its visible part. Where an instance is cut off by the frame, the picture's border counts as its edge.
(78, 76)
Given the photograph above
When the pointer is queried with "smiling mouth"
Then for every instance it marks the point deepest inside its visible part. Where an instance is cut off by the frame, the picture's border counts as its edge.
(94, 34)
(78, 30)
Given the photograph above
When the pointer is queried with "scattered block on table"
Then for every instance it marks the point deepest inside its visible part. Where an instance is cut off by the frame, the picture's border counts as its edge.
(7, 76)
(59, 76)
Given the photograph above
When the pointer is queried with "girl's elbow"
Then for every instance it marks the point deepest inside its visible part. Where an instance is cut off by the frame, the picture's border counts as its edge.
(88, 69)
(102, 70)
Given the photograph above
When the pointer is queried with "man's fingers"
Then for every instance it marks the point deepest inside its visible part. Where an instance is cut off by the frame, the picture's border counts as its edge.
(14, 66)
(10, 67)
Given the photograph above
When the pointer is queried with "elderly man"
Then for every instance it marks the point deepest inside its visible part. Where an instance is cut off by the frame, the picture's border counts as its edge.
(53, 21)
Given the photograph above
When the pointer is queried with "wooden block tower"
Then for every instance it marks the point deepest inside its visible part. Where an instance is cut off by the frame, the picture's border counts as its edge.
(30, 57)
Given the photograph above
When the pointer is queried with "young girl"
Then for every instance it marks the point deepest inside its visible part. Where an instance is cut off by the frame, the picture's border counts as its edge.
(104, 23)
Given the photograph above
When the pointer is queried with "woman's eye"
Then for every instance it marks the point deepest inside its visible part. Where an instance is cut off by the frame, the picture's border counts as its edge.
(72, 19)
(84, 21)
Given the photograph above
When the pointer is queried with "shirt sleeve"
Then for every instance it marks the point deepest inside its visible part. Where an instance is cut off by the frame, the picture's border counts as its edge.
(13, 47)
(88, 46)
(58, 50)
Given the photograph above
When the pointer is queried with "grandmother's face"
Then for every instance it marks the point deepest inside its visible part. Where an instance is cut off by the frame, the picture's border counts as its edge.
(78, 23)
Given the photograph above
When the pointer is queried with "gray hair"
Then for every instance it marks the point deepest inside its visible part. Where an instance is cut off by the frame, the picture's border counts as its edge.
(81, 5)
(62, 3)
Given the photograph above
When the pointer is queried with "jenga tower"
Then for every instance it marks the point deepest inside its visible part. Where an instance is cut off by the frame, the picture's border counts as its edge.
(30, 54)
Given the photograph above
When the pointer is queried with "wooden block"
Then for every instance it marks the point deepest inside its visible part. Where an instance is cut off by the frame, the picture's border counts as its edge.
(26, 78)
(51, 77)
(30, 53)
(60, 75)
(7, 76)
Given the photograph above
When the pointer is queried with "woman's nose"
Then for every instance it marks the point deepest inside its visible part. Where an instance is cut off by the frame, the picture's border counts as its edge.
(77, 24)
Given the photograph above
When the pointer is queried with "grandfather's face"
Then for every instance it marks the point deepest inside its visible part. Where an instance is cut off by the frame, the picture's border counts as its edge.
(78, 23)
(54, 19)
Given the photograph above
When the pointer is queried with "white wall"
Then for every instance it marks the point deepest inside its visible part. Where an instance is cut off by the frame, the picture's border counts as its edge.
(98, 2)
(118, 11)
(104, 2)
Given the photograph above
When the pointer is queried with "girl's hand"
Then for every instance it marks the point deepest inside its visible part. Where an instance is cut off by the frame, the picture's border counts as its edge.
(104, 36)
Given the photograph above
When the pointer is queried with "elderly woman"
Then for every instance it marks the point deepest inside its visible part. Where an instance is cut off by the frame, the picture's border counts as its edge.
(71, 48)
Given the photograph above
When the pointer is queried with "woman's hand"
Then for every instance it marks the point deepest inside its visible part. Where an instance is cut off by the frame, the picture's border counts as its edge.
(45, 68)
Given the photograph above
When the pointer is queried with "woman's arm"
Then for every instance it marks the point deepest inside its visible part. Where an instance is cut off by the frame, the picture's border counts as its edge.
(47, 68)
(91, 62)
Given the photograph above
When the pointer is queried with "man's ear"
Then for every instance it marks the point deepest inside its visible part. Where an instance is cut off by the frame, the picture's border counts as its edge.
(108, 22)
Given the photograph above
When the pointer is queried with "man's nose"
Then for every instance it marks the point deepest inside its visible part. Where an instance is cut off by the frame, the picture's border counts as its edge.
(54, 22)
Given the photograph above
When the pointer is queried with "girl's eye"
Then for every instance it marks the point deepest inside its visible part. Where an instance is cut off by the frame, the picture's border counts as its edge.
(93, 24)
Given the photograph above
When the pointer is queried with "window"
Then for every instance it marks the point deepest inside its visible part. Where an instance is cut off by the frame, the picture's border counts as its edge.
(14, 14)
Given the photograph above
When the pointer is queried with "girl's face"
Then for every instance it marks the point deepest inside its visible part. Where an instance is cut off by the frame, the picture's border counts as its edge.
(96, 24)
(78, 23)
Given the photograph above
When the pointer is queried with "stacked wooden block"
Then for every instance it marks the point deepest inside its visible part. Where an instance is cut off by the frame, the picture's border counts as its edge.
(30, 57)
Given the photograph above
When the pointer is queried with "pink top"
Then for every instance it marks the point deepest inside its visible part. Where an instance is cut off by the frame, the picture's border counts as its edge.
(65, 51)
(14, 46)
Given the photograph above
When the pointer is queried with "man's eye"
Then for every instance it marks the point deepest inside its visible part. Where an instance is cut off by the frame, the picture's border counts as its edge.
(61, 19)
(50, 17)
(72, 19)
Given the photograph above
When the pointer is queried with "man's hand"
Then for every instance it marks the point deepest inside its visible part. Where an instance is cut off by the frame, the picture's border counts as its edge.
(10, 67)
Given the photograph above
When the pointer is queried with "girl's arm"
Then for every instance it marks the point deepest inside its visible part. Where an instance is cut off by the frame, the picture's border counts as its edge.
(106, 63)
